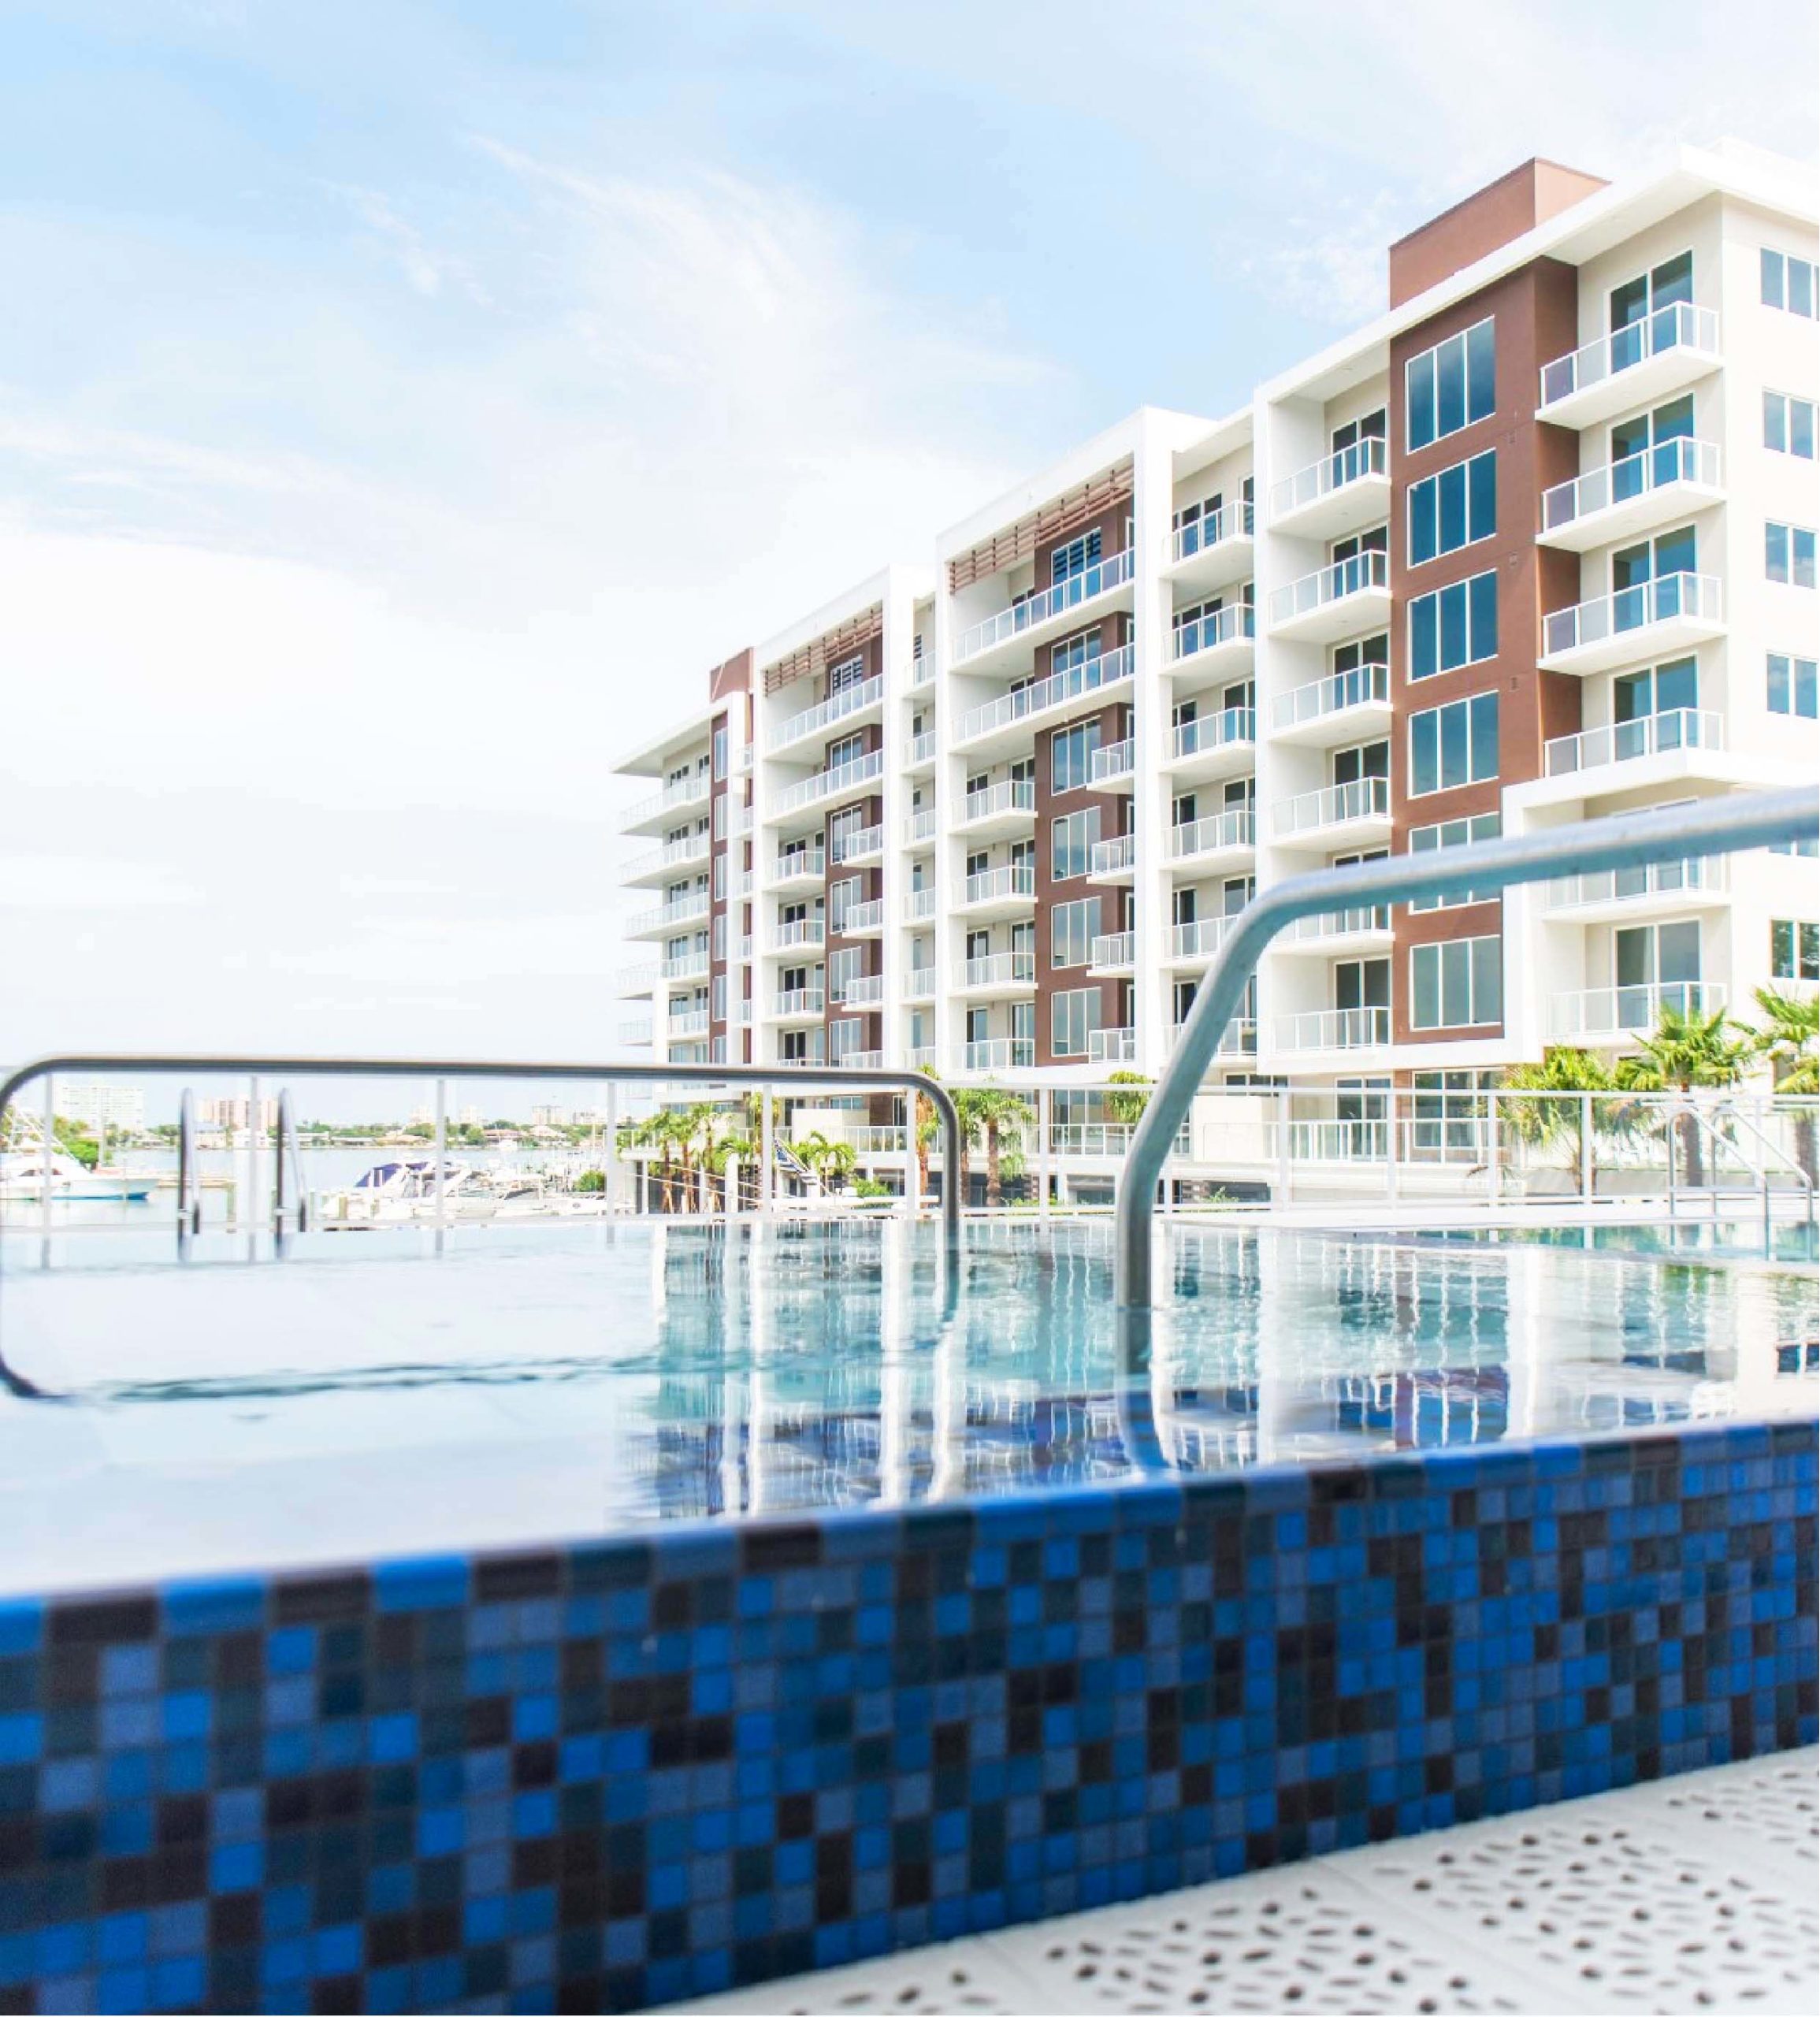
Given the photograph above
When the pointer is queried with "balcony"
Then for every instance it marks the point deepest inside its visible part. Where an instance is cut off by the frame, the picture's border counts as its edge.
(921, 755)
(999, 1054)
(868, 844)
(841, 781)
(863, 991)
(1194, 944)
(660, 865)
(920, 826)
(1111, 1047)
(654, 812)
(685, 966)
(1641, 494)
(920, 984)
(813, 723)
(1365, 928)
(922, 671)
(1341, 493)
(1214, 550)
(1334, 1029)
(1115, 860)
(631, 982)
(1221, 745)
(798, 1004)
(1661, 890)
(999, 974)
(1625, 742)
(1113, 766)
(998, 810)
(1009, 721)
(688, 1022)
(798, 932)
(918, 904)
(1347, 707)
(862, 1061)
(1220, 839)
(1360, 811)
(810, 1058)
(920, 1057)
(1674, 612)
(1045, 614)
(636, 1030)
(1596, 1014)
(1632, 367)
(1113, 952)
(996, 893)
(1237, 1039)
(1344, 601)
(798, 867)
(669, 917)
(865, 921)
(1216, 647)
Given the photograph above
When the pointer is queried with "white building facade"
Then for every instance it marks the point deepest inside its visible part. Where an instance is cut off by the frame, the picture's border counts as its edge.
(1536, 545)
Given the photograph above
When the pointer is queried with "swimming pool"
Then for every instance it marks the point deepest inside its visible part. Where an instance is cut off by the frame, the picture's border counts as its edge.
(592, 1619)
(1786, 1242)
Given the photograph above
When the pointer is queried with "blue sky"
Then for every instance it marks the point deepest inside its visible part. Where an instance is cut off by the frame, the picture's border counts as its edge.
(399, 405)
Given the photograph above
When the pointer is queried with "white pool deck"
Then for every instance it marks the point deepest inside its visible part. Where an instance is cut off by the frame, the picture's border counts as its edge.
(1694, 1893)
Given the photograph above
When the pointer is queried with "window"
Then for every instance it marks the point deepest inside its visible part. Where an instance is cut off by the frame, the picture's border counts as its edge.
(1454, 626)
(1788, 554)
(1454, 745)
(1794, 949)
(845, 964)
(849, 672)
(1072, 930)
(720, 741)
(844, 897)
(1454, 508)
(1660, 288)
(1363, 759)
(1457, 984)
(1653, 963)
(846, 1037)
(1075, 557)
(849, 750)
(1452, 385)
(1454, 834)
(1073, 1018)
(1794, 685)
(1788, 425)
(1070, 844)
(1071, 756)
(1788, 282)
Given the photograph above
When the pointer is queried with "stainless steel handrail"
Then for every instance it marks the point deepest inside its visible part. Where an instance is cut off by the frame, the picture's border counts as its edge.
(1722, 825)
(778, 1077)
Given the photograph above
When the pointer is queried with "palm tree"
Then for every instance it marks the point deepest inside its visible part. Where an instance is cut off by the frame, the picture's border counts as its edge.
(1127, 1107)
(1001, 1117)
(1548, 1115)
(927, 1126)
(830, 1160)
(1789, 1043)
(1687, 1048)
(722, 1150)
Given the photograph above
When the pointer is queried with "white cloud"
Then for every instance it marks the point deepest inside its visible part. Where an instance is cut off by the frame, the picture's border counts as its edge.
(62, 883)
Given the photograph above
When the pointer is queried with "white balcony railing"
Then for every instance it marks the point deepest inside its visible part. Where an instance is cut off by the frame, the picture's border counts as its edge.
(798, 931)
(1104, 670)
(1109, 857)
(1681, 325)
(691, 909)
(920, 1057)
(1231, 725)
(1217, 627)
(1113, 759)
(1370, 569)
(639, 979)
(794, 862)
(1000, 970)
(861, 846)
(1368, 458)
(1111, 1047)
(999, 1054)
(672, 854)
(922, 748)
(871, 1141)
(686, 1023)
(1660, 601)
(1616, 885)
(685, 966)
(837, 707)
(1199, 939)
(811, 1057)
(1334, 1029)
(992, 884)
(862, 991)
(920, 904)
(1113, 572)
(1012, 795)
(1215, 834)
(1363, 798)
(799, 1001)
(635, 1030)
(1622, 742)
(834, 783)
(1620, 1011)
(1363, 685)
(920, 986)
(920, 826)
(1113, 949)
(1682, 460)
(1340, 924)
(691, 790)
(869, 916)
(1232, 520)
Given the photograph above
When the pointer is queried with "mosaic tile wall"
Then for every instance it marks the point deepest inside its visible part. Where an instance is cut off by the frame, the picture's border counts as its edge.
(631, 1771)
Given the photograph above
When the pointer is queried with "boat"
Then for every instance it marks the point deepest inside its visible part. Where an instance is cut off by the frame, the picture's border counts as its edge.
(22, 1173)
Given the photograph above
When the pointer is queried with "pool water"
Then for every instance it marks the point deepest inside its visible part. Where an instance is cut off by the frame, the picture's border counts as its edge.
(372, 1395)
(1790, 1241)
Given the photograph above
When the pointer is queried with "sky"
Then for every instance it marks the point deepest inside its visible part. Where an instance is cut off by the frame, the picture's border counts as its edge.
(401, 406)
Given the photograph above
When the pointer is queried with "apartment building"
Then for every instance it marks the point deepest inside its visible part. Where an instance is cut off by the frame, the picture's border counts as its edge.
(1536, 545)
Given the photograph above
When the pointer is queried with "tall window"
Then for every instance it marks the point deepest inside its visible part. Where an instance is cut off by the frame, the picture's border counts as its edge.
(1788, 554)
(1788, 282)
(1073, 928)
(1452, 385)
(1071, 756)
(1788, 425)
(1454, 745)
(1454, 834)
(1455, 507)
(1794, 685)
(849, 750)
(845, 964)
(1070, 844)
(1794, 949)
(1075, 557)
(849, 672)
(1073, 1018)
(720, 743)
(1457, 984)
(1454, 626)
(1657, 689)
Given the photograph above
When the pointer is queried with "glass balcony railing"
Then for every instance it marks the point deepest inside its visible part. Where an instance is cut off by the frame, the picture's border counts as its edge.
(999, 1054)
(1615, 886)
(1669, 596)
(862, 991)
(837, 707)
(1363, 798)
(1104, 670)
(1113, 949)
(1109, 857)
(685, 966)
(1113, 760)
(1232, 520)
(1351, 576)
(1682, 460)
(692, 790)
(920, 826)
(1215, 834)
(918, 904)
(861, 844)
(1111, 1047)
(1199, 939)
(1679, 326)
(672, 854)
(1340, 924)
(1000, 970)
(922, 748)
(1368, 458)
(1360, 686)
(1112, 573)
(1208, 732)
(1621, 742)
(1217, 627)
(1620, 1011)
(993, 885)
(1334, 1029)
(1012, 795)
(799, 1001)
(798, 931)
(794, 863)
(857, 918)
(833, 783)
(920, 984)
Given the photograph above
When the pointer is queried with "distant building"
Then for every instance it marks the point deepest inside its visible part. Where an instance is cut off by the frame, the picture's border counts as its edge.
(96, 1106)
(232, 1112)
(549, 1116)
